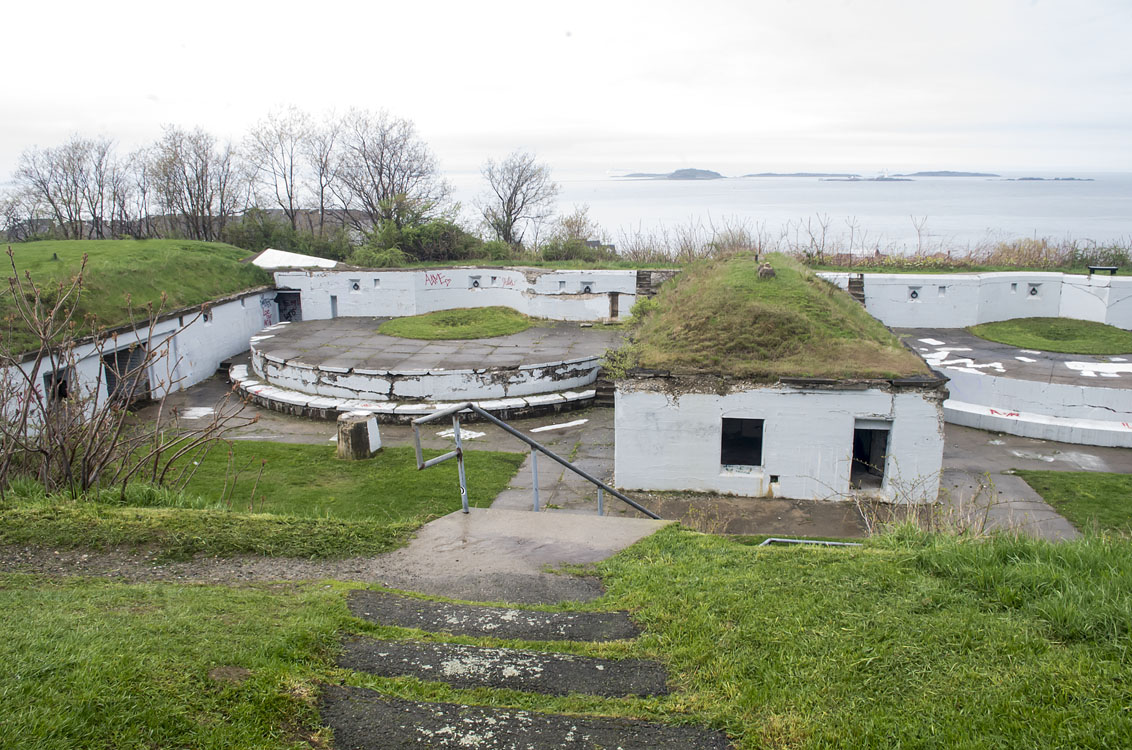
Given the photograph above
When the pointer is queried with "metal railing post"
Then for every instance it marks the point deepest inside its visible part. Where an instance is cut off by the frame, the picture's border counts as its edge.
(600, 501)
(534, 475)
(460, 461)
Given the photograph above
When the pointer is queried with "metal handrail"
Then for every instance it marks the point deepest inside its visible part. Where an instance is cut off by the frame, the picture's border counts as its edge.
(535, 446)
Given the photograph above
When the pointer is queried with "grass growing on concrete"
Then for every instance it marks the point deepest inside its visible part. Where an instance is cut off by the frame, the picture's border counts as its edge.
(1090, 500)
(307, 504)
(1057, 335)
(462, 323)
(187, 272)
(719, 317)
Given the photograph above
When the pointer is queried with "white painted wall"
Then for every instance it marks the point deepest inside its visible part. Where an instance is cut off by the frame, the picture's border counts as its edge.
(556, 295)
(188, 348)
(961, 300)
(666, 442)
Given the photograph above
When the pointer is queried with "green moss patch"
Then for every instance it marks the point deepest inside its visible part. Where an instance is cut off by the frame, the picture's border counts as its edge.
(1065, 335)
(462, 323)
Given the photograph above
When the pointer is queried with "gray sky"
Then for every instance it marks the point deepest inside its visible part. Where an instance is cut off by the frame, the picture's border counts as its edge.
(596, 86)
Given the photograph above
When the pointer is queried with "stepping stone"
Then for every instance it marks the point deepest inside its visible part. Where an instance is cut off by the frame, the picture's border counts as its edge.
(490, 622)
(512, 669)
(364, 720)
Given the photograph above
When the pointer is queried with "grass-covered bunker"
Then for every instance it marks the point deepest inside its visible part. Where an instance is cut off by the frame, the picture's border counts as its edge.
(773, 385)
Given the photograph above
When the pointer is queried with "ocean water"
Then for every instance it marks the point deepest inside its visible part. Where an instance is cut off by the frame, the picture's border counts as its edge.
(948, 213)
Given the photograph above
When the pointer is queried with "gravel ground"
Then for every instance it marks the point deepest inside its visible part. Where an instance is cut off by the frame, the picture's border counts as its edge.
(142, 565)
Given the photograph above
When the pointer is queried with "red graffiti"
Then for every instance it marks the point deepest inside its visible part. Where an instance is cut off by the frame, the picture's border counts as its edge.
(1126, 425)
(508, 282)
(1004, 413)
(437, 279)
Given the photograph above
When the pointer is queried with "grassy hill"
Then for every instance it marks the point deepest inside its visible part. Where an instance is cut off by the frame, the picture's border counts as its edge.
(718, 317)
(187, 272)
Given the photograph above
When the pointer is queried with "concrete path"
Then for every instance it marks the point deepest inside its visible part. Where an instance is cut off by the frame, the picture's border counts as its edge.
(504, 555)
(364, 720)
(505, 668)
(491, 622)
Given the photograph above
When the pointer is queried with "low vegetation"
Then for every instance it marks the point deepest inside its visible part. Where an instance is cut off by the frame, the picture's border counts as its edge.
(127, 275)
(462, 323)
(305, 503)
(720, 317)
(913, 640)
(1092, 501)
(1057, 335)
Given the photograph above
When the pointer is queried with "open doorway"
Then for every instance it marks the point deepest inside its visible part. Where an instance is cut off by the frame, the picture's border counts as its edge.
(741, 442)
(870, 452)
(290, 306)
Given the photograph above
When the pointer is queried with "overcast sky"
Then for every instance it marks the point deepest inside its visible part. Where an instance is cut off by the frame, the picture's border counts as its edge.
(595, 86)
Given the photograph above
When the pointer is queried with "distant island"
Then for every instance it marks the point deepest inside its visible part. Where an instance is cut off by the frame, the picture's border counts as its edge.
(679, 174)
(802, 174)
(882, 178)
(1049, 179)
(948, 173)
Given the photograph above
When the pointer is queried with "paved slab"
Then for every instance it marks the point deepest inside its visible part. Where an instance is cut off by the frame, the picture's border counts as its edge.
(946, 348)
(364, 720)
(505, 668)
(324, 342)
(489, 622)
(503, 555)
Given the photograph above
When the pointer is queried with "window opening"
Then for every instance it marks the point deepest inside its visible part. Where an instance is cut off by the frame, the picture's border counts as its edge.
(742, 442)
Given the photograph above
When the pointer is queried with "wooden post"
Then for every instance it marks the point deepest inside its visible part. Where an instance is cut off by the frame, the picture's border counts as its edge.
(358, 436)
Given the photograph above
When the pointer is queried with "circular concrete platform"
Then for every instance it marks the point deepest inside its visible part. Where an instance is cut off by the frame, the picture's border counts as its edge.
(321, 367)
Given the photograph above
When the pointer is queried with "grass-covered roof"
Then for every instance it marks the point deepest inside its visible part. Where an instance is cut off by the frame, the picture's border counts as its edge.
(719, 317)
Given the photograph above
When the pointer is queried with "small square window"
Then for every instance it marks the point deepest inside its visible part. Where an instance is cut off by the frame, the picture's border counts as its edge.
(1014, 287)
(377, 283)
(943, 291)
(741, 443)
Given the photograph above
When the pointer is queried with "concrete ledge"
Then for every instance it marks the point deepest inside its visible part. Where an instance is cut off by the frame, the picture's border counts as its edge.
(300, 404)
(1116, 434)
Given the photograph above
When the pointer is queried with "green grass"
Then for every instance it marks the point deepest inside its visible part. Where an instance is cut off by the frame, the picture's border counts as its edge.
(307, 504)
(719, 317)
(1057, 335)
(913, 640)
(189, 273)
(1090, 500)
(98, 665)
(462, 323)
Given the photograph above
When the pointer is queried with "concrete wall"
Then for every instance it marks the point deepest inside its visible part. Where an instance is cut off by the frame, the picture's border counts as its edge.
(960, 300)
(188, 347)
(557, 295)
(669, 442)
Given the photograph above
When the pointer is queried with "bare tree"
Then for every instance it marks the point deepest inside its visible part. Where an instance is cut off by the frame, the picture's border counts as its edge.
(198, 181)
(55, 176)
(71, 431)
(385, 172)
(275, 149)
(521, 195)
(320, 152)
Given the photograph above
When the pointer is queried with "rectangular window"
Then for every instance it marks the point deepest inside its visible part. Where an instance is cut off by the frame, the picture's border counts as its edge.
(377, 283)
(742, 442)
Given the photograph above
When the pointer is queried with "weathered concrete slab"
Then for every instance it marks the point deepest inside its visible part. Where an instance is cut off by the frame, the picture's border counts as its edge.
(363, 720)
(492, 622)
(507, 668)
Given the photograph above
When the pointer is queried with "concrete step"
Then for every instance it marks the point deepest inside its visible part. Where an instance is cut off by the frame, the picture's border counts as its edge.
(506, 668)
(364, 720)
(491, 622)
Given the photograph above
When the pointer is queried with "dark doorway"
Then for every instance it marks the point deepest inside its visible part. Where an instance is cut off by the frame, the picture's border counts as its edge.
(614, 304)
(290, 306)
(870, 450)
(742, 442)
(126, 378)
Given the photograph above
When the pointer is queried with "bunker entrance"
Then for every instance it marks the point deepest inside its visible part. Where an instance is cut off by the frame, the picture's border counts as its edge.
(870, 450)
(290, 306)
(125, 375)
(742, 442)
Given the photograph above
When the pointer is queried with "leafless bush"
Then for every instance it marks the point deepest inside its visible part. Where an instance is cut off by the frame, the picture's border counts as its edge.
(65, 419)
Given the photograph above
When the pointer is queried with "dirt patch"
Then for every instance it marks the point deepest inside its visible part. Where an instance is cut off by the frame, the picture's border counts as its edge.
(230, 674)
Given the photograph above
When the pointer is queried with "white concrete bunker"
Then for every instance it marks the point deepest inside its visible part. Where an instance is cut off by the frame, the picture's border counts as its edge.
(801, 439)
